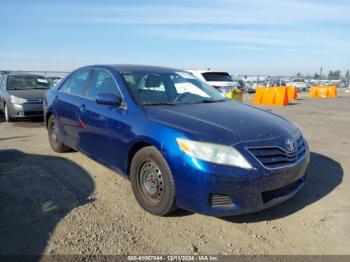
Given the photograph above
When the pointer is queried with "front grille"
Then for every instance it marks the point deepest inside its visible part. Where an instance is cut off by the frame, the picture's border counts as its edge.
(267, 196)
(220, 201)
(275, 157)
(34, 101)
(33, 113)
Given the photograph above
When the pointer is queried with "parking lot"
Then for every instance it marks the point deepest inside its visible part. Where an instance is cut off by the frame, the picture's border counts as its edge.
(68, 204)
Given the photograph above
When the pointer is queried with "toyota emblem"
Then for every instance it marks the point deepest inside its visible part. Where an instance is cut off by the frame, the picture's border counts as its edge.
(290, 145)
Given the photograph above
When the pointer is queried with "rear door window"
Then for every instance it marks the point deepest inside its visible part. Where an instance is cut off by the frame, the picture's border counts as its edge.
(76, 83)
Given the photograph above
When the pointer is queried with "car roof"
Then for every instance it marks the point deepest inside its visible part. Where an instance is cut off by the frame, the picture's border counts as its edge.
(198, 71)
(206, 71)
(127, 67)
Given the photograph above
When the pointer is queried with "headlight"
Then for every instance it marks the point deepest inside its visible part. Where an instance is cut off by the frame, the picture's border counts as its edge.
(214, 153)
(17, 100)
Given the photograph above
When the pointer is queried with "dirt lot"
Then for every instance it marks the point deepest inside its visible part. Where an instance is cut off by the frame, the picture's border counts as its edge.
(68, 204)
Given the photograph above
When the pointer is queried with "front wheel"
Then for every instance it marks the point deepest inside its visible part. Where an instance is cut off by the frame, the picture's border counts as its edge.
(55, 136)
(152, 182)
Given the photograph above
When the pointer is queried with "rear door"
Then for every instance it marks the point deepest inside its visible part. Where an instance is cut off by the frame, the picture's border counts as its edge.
(68, 106)
(105, 129)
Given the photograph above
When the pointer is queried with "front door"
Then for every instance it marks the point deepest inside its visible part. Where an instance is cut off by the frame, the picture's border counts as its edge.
(105, 130)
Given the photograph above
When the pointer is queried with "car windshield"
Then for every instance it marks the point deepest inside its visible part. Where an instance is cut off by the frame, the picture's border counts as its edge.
(169, 88)
(27, 82)
(298, 80)
(217, 77)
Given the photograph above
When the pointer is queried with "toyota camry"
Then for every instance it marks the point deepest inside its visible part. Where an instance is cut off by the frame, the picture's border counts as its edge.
(177, 139)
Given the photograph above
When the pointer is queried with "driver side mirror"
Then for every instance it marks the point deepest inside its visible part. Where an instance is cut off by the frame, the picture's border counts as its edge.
(109, 99)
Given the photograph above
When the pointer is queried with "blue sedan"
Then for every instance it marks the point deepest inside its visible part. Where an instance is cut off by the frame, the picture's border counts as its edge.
(177, 139)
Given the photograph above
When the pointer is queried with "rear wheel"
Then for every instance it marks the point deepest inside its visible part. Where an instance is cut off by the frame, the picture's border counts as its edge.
(7, 114)
(55, 136)
(152, 182)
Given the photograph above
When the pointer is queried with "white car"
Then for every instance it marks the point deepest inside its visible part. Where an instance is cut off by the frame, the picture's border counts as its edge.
(299, 84)
(219, 80)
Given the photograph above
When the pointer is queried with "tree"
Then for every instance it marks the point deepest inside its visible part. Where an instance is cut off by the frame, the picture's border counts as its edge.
(316, 76)
(334, 75)
(330, 74)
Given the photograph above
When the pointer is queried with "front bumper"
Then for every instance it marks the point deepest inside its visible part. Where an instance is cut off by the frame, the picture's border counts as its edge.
(25, 110)
(223, 190)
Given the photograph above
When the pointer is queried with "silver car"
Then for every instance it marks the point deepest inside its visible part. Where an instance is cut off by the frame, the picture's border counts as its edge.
(21, 95)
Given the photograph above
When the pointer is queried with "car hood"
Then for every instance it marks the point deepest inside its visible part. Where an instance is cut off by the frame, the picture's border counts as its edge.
(223, 122)
(29, 94)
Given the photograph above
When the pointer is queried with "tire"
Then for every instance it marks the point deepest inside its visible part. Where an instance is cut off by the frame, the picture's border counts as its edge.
(55, 137)
(7, 114)
(149, 168)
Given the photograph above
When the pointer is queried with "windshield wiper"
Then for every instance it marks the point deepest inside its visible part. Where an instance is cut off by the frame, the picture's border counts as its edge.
(207, 101)
(159, 104)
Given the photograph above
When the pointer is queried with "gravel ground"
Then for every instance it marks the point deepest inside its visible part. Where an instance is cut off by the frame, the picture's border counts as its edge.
(68, 204)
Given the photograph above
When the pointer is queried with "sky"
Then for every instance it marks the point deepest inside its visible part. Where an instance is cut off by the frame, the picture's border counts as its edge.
(273, 37)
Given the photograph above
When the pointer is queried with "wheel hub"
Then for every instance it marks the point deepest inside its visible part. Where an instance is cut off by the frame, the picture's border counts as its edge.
(151, 180)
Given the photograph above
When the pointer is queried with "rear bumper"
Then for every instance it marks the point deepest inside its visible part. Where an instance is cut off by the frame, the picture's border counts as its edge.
(224, 191)
(25, 110)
